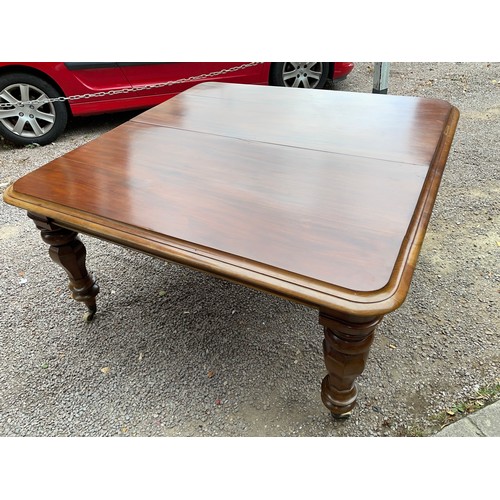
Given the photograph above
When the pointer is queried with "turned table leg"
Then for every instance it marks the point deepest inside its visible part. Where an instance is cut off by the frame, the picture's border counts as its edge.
(68, 251)
(346, 346)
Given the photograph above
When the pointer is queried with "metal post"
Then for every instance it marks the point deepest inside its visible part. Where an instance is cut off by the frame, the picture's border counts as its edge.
(380, 78)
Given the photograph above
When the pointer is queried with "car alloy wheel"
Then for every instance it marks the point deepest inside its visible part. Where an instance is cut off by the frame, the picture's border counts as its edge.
(39, 122)
(310, 75)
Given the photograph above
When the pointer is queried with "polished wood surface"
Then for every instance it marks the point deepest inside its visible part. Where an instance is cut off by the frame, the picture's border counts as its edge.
(311, 193)
(319, 197)
(403, 129)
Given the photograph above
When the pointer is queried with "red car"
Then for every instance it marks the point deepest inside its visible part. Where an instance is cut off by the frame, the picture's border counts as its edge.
(81, 88)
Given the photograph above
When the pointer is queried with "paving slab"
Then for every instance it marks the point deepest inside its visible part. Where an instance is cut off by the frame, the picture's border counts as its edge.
(484, 423)
(488, 420)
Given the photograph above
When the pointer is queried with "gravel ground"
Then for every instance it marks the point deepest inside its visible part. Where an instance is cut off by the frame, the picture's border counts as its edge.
(175, 352)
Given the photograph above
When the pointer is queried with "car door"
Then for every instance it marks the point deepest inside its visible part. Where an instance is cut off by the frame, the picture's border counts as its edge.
(141, 73)
(98, 76)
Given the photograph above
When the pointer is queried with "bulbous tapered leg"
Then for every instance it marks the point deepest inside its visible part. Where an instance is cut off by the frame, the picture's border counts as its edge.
(346, 346)
(67, 250)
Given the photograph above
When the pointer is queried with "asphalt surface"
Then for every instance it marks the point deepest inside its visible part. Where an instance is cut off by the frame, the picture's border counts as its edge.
(174, 352)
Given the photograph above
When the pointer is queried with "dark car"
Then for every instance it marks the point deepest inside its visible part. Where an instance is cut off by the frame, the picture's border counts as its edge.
(38, 99)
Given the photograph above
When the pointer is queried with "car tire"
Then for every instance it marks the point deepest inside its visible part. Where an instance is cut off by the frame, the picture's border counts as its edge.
(299, 74)
(30, 124)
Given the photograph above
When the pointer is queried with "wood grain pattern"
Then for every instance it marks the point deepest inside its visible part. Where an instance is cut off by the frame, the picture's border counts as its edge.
(396, 128)
(319, 197)
(316, 196)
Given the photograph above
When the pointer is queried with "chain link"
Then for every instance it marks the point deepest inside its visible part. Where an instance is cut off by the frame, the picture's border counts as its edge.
(127, 90)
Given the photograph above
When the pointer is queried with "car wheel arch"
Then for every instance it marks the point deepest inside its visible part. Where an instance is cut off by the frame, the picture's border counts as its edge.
(19, 68)
(330, 71)
(43, 121)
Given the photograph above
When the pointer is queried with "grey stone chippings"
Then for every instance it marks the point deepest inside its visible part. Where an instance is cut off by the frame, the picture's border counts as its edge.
(175, 352)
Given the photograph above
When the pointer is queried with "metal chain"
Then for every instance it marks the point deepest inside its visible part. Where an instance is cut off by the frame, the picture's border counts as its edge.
(127, 90)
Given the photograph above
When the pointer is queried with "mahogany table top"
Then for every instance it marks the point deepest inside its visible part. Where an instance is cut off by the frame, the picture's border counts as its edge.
(322, 197)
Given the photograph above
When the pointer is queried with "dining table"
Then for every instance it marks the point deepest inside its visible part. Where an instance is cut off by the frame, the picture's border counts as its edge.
(320, 197)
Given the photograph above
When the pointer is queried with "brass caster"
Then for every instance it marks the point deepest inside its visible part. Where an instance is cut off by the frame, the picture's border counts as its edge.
(341, 416)
(89, 315)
